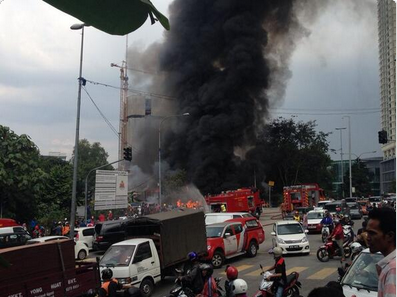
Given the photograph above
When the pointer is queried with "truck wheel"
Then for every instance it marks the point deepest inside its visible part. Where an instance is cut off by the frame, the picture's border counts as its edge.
(252, 249)
(217, 259)
(147, 287)
(81, 255)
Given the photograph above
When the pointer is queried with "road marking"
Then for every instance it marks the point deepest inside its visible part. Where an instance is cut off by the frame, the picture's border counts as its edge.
(258, 271)
(297, 269)
(240, 268)
(323, 273)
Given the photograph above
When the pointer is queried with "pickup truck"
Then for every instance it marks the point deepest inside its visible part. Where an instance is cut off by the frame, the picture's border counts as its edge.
(155, 245)
(46, 269)
(233, 238)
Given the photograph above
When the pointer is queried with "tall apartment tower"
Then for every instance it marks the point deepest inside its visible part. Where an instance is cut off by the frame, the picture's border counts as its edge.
(387, 70)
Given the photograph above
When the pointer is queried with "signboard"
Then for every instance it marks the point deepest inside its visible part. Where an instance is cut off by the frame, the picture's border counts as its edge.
(271, 183)
(111, 189)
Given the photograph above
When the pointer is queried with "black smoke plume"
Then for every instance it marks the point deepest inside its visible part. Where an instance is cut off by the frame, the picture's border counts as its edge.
(223, 59)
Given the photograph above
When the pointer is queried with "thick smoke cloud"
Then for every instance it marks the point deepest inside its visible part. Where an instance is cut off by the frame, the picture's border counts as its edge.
(224, 58)
(225, 62)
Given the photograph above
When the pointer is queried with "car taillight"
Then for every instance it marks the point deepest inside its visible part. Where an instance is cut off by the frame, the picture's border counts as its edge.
(99, 238)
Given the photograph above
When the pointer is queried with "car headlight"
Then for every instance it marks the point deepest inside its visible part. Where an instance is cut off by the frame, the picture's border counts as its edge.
(208, 247)
(304, 239)
(279, 240)
(124, 281)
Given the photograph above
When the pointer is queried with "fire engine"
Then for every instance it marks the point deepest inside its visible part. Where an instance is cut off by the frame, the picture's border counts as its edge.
(304, 195)
(240, 200)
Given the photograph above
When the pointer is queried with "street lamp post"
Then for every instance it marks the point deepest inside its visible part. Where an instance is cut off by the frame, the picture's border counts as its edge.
(350, 156)
(341, 159)
(172, 116)
(76, 143)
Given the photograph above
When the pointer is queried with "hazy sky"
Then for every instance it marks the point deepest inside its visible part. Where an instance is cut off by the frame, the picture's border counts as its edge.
(334, 73)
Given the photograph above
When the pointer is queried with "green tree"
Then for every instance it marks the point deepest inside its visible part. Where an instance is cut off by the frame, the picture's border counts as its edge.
(21, 178)
(55, 199)
(174, 181)
(290, 152)
(90, 157)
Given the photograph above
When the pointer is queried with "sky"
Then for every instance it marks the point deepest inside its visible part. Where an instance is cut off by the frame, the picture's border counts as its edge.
(334, 73)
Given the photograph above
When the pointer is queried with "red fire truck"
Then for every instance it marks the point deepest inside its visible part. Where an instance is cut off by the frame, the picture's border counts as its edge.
(241, 200)
(304, 195)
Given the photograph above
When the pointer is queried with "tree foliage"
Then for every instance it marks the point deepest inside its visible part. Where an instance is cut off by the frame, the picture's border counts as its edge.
(361, 178)
(90, 156)
(21, 177)
(290, 153)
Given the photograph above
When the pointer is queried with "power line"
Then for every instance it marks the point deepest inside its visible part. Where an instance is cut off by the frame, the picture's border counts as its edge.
(329, 113)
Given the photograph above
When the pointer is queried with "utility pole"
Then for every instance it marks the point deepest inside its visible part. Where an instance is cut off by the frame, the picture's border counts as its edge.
(341, 160)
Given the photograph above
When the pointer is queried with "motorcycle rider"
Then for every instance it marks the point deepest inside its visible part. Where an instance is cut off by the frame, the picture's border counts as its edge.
(327, 220)
(240, 288)
(297, 217)
(210, 286)
(279, 277)
(232, 275)
(193, 279)
(338, 236)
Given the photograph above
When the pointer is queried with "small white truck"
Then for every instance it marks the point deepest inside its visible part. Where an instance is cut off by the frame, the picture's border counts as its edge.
(155, 245)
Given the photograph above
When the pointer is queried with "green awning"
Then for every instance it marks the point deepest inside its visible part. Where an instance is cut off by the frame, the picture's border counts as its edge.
(116, 17)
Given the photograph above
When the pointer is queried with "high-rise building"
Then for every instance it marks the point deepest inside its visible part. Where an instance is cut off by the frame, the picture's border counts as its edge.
(387, 71)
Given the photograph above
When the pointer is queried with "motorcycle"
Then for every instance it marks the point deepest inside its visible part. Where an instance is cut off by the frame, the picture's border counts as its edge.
(356, 248)
(330, 249)
(348, 233)
(180, 290)
(290, 290)
(325, 232)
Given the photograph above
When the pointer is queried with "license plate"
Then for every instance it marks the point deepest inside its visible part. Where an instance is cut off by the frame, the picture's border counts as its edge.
(294, 246)
(311, 227)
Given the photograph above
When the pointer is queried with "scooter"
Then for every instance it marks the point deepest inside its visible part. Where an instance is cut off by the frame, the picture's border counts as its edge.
(330, 249)
(325, 233)
(179, 290)
(290, 290)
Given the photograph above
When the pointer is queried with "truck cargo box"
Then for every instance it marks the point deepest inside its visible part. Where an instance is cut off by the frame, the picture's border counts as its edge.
(176, 233)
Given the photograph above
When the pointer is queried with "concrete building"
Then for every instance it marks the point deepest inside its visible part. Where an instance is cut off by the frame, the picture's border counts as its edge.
(387, 72)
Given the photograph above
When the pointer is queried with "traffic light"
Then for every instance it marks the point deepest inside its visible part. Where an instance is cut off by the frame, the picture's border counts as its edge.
(382, 136)
(127, 154)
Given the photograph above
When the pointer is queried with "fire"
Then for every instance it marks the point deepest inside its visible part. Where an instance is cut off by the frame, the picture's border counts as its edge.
(188, 204)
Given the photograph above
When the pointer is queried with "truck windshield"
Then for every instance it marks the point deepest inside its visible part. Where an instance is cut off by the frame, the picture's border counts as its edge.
(289, 229)
(362, 274)
(214, 231)
(118, 256)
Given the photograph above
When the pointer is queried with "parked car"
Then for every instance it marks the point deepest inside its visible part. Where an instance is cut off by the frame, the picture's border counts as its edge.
(85, 235)
(314, 218)
(80, 249)
(361, 278)
(13, 236)
(218, 217)
(291, 237)
(331, 206)
(233, 238)
(355, 211)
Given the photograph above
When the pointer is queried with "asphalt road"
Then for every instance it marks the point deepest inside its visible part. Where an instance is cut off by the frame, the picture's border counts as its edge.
(312, 272)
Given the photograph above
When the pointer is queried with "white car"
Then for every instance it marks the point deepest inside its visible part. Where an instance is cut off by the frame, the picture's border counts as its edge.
(85, 235)
(361, 278)
(320, 204)
(314, 218)
(291, 237)
(80, 249)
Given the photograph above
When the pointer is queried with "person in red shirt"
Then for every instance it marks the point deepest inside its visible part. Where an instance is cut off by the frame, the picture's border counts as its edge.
(338, 236)
(101, 217)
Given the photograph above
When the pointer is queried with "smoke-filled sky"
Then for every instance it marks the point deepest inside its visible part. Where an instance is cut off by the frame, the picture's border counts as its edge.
(333, 71)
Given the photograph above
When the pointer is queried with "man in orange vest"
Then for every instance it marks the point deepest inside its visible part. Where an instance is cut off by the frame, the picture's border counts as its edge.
(111, 285)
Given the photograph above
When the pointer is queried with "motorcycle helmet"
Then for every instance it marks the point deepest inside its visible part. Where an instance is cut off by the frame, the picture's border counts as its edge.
(336, 221)
(107, 274)
(192, 256)
(208, 268)
(277, 251)
(239, 286)
(231, 272)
